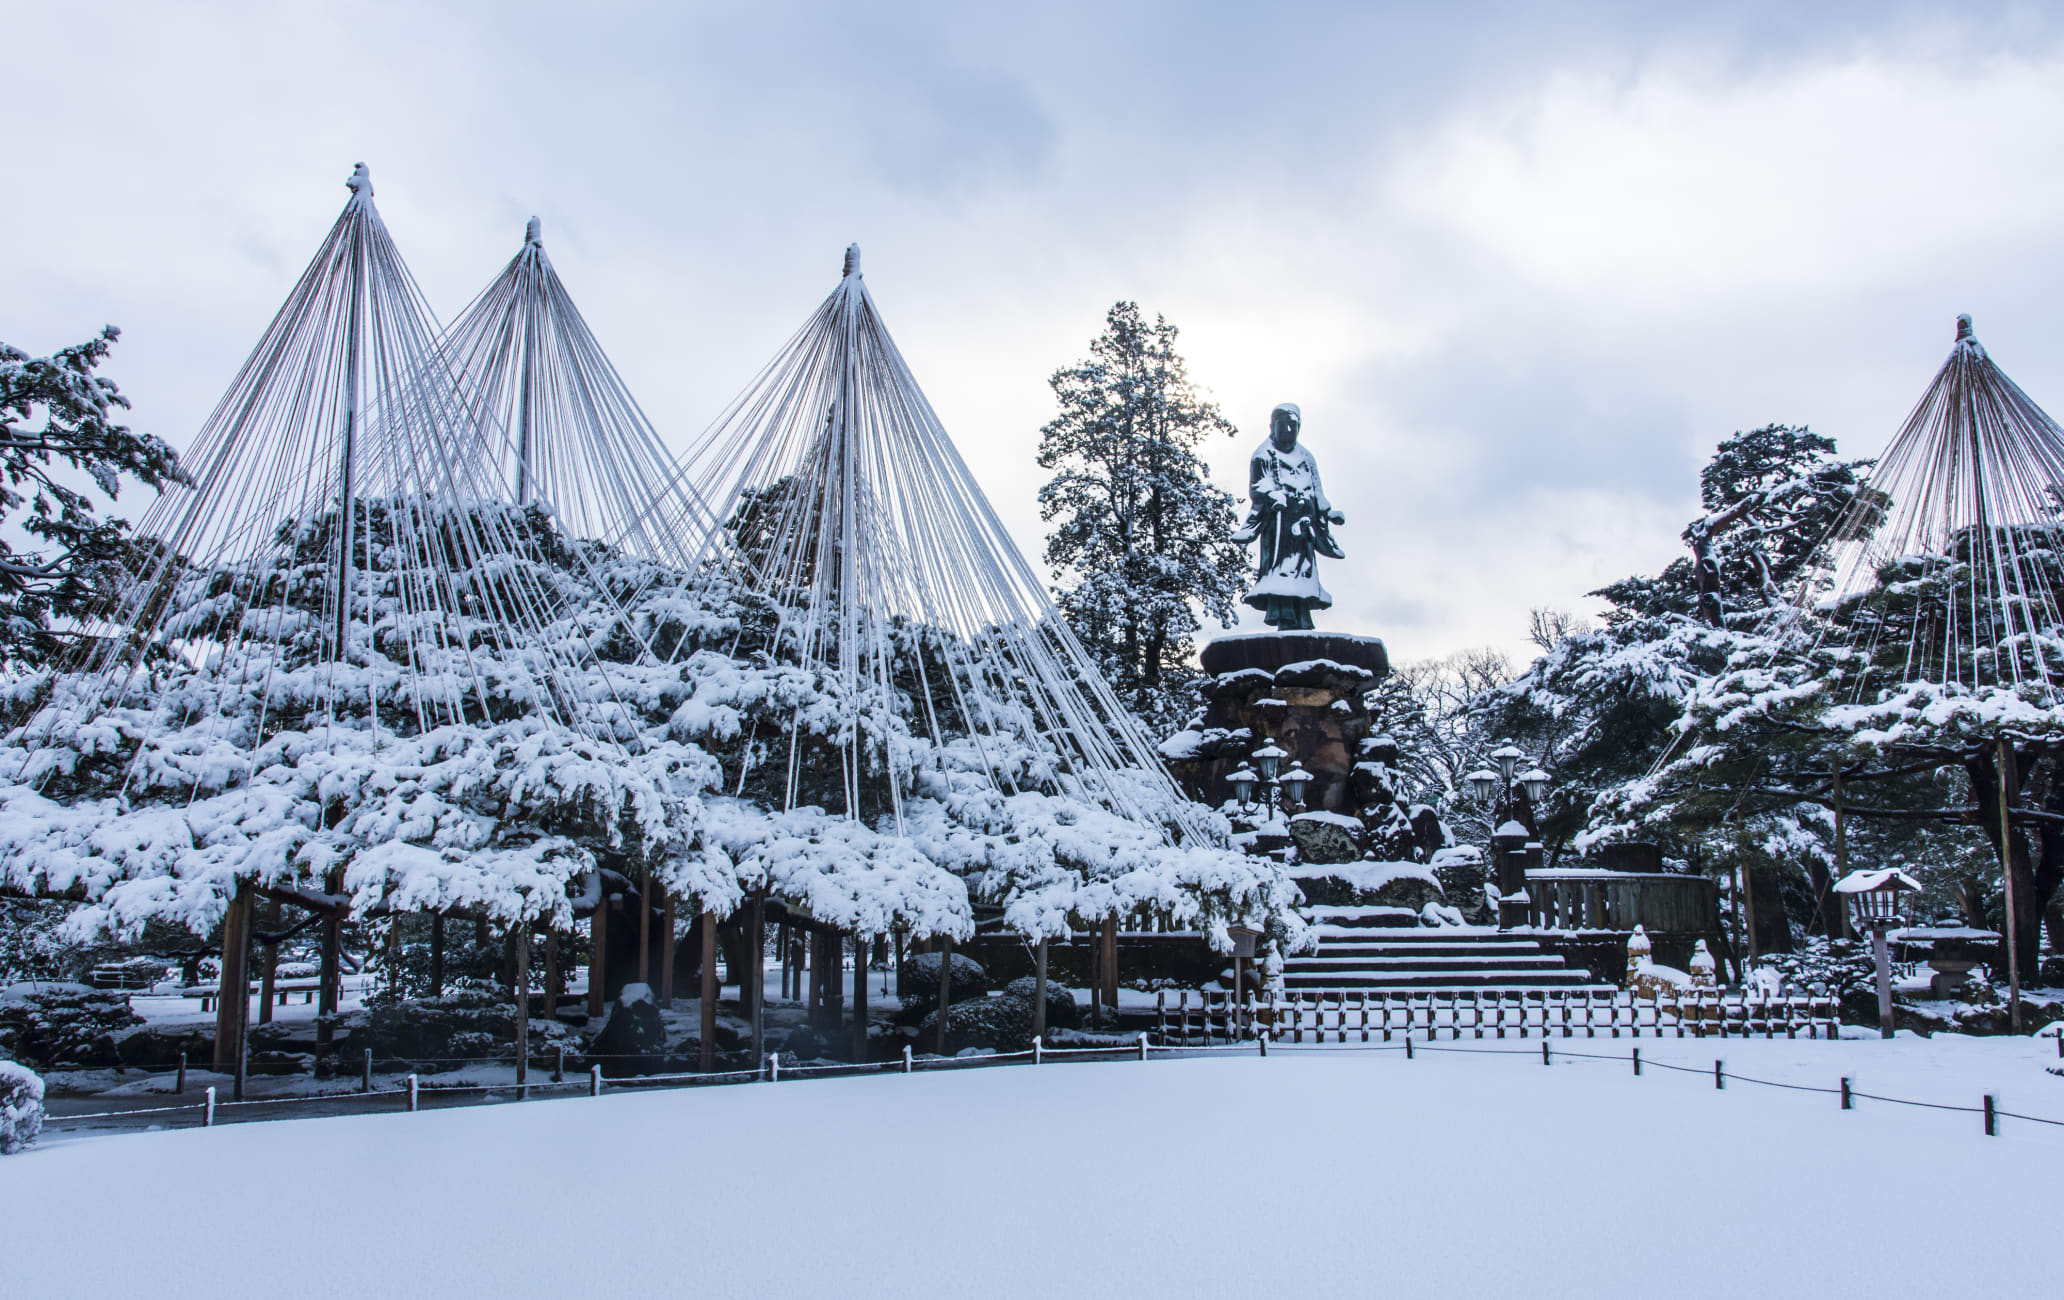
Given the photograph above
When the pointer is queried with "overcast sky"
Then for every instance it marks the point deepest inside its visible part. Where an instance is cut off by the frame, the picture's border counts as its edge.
(1521, 269)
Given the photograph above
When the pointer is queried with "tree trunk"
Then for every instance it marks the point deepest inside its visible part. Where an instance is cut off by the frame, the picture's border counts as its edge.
(233, 992)
(437, 954)
(666, 951)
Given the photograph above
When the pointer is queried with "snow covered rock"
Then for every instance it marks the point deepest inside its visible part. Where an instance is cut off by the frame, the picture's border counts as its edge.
(21, 1107)
(1410, 885)
(1324, 837)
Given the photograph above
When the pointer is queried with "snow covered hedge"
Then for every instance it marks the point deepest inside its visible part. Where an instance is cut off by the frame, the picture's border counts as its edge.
(21, 1107)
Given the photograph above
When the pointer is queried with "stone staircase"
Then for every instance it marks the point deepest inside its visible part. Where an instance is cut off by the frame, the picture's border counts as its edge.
(1363, 950)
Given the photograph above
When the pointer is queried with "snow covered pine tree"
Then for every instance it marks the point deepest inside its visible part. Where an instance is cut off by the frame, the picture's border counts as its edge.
(1141, 545)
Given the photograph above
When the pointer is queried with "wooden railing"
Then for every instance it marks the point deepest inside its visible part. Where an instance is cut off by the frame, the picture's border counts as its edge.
(1587, 899)
(1209, 1018)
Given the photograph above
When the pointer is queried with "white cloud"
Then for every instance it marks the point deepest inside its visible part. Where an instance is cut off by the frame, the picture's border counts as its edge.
(1522, 274)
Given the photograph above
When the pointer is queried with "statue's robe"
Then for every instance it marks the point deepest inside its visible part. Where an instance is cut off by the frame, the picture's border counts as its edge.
(1291, 518)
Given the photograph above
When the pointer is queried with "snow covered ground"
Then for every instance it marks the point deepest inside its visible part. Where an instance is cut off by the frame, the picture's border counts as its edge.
(1311, 1173)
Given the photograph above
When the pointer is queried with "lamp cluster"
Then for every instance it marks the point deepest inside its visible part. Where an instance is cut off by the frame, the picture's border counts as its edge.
(1271, 779)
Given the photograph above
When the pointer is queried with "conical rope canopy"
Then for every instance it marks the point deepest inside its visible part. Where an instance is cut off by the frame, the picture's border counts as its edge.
(1946, 569)
(346, 550)
(573, 436)
(835, 494)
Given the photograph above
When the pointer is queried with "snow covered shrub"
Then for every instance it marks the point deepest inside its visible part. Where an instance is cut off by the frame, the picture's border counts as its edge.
(21, 1107)
(918, 984)
(1836, 969)
(64, 1024)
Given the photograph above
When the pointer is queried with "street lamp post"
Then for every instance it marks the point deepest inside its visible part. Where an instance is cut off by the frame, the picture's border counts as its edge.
(1486, 783)
(1874, 904)
(1270, 778)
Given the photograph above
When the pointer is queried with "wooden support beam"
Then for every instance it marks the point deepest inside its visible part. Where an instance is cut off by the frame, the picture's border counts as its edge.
(268, 964)
(555, 978)
(1039, 990)
(437, 954)
(1108, 966)
(755, 974)
(666, 951)
(645, 926)
(598, 946)
(330, 977)
(709, 991)
(861, 945)
(945, 991)
(233, 993)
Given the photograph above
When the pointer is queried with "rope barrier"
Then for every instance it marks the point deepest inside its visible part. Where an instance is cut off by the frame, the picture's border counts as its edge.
(1140, 1048)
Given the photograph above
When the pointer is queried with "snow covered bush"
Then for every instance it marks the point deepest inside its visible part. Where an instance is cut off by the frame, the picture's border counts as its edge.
(64, 1024)
(21, 1107)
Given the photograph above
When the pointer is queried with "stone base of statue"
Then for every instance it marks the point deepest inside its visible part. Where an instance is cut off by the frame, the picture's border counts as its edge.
(1305, 691)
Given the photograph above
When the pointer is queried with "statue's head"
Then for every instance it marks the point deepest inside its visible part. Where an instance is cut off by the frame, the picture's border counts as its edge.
(1284, 422)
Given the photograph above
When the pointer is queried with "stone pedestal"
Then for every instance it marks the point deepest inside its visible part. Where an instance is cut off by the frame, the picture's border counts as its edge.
(1304, 689)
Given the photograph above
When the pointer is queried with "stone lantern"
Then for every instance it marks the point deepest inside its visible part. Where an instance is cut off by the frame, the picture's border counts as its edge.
(1874, 905)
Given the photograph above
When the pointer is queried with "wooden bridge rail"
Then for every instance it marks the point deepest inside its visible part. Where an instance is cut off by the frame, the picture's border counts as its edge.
(1212, 1017)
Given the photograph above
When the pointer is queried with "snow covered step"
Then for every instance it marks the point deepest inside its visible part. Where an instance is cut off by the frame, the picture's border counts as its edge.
(1340, 952)
(1460, 961)
(1442, 979)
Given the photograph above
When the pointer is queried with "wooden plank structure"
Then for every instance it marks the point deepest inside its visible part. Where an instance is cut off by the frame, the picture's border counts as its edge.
(1214, 1017)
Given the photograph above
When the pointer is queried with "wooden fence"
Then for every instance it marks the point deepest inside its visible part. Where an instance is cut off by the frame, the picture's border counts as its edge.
(1204, 1019)
(1579, 898)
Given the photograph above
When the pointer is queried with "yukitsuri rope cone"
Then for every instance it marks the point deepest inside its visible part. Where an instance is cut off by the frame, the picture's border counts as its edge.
(1946, 569)
(572, 436)
(835, 492)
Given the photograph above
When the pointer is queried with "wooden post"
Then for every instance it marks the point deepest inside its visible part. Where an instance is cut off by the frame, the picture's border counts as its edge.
(645, 926)
(522, 991)
(233, 997)
(945, 991)
(2006, 784)
(437, 954)
(709, 991)
(1109, 964)
(268, 964)
(860, 947)
(331, 980)
(1832, 915)
(666, 951)
(1039, 989)
(598, 947)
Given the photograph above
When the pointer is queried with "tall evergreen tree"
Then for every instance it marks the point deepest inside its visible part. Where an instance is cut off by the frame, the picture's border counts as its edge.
(1142, 545)
(74, 554)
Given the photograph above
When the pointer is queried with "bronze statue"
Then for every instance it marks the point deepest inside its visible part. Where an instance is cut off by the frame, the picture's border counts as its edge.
(1289, 515)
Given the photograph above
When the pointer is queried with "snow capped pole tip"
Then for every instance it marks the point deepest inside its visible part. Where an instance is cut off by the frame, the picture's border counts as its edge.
(852, 268)
(361, 182)
(533, 232)
(1963, 326)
